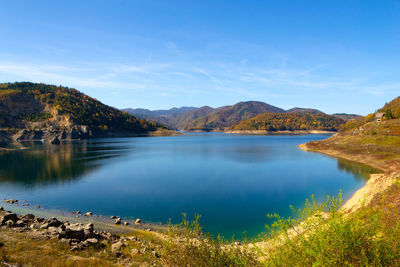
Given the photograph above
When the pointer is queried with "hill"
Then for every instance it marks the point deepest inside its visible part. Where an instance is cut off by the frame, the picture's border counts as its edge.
(346, 117)
(289, 122)
(304, 110)
(372, 142)
(227, 116)
(165, 117)
(32, 111)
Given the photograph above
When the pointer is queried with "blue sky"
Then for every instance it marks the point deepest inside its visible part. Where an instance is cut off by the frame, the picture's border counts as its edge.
(337, 56)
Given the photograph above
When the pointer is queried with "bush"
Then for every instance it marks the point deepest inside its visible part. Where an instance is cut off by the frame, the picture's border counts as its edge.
(188, 246)
(318, 238)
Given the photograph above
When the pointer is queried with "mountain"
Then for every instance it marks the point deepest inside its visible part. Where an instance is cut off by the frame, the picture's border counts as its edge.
(392, 109)
(186, 118)
(346, 117)
(165, 117)
(289, 122)
(304, 110)
(227, 116)
(33, 111)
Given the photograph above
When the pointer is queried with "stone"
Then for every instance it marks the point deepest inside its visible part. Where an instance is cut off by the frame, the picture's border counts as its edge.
(88, 214)
(75, 248)
(11, 201)
(44, 226)
(37, 207)
(113, 217)
(88, 229)
(8, 216)
(53, 222)
(91, 241)
(55, 141)
(138, 221)
(126, 223)
(117, 221)
(116, 247)
(75, 231)
(20, 223)
(78, 212)
(26, 204)
(1, 208)
(28, 217)
(9, 223)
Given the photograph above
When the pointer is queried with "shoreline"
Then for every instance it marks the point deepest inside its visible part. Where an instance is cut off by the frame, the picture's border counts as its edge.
(263, 132)
(377, 183)
(101, 222)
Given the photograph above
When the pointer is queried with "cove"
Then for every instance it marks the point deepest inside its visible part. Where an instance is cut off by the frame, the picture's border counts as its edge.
(232, 181)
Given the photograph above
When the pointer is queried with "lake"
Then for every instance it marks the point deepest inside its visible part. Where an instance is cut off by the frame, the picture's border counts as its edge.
(232, 181)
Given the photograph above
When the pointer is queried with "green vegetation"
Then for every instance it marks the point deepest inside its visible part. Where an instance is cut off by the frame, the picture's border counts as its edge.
(290, 122)
(35, 117)
(80, 108)
(323, 235)
(188, 246)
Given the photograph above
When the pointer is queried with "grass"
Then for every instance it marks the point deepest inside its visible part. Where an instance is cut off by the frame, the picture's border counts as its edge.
(368, 237)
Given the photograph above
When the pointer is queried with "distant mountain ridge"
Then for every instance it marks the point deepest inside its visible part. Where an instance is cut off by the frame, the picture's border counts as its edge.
(165, 117)
(227, 116)
(218, 119)
(304, 110)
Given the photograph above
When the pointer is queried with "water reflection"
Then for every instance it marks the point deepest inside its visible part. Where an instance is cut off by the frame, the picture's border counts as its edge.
(42, 164)
(358, 170)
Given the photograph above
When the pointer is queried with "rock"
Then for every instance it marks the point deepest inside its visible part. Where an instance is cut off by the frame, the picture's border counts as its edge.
(126, 223)
(116, 247)
(37, 207)
(34, 226)
(28, 217)
(26, 204)
(138, 221)
(55, 141)
(53, 222)
(1, 245)
(117, 221)
(113, 217)
(9, 223)
(8, 216)
(1, 208)
(88, 229)
(44, 226)
(90, 242)
(75, 231)
(11, 201)
(75, 248)
(61, 235)
(88, 214)
(20, 223)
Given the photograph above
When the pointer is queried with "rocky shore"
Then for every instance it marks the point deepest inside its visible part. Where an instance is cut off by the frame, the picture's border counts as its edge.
(76, 235)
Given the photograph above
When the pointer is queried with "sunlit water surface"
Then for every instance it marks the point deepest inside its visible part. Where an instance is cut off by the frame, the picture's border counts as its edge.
(232, 181)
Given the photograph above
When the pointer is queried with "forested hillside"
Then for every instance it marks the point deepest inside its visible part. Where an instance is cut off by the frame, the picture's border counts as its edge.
(290, 122)
(49, 108)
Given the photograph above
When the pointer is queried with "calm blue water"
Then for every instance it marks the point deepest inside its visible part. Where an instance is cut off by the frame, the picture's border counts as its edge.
(232, 181)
